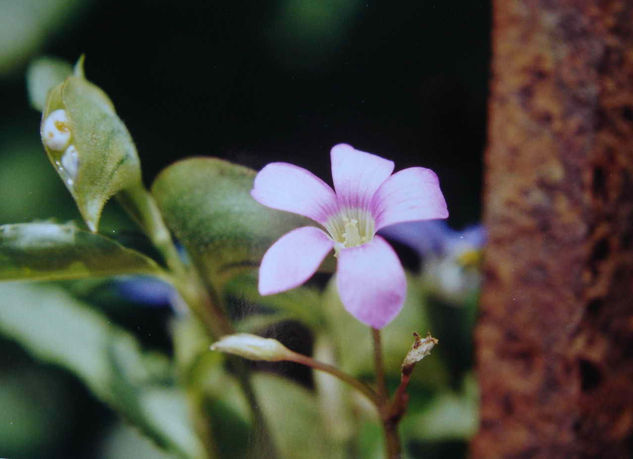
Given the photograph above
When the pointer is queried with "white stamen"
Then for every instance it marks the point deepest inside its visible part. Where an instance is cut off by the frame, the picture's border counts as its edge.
(351, 228)
(351, 235)
(56, 131)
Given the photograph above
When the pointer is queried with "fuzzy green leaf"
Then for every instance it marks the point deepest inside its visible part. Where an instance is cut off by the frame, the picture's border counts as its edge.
(104, 160)
(54, 327)
(206, 203)
(48, 251)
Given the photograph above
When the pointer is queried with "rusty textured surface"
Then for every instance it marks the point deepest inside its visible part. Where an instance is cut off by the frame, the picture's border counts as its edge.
(555, 336)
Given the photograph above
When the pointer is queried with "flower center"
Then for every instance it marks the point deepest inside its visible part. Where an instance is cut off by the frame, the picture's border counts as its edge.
(351, 228)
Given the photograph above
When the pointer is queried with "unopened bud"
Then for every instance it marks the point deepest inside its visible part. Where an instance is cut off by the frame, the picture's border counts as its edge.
(253, 347)
(56, 130)
(420, 349)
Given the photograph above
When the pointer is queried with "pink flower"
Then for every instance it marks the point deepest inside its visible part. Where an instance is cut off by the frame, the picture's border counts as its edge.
(370, 279)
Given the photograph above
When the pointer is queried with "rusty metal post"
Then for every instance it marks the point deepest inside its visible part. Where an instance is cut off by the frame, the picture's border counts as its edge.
(555, 336)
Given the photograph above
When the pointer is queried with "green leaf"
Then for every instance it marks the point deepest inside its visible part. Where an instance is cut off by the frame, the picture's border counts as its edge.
(100, 158)
(206, 203)
(28, 25)
(448, 416)
(56, 328)
(124, 441)
(34, 415)
(43, 75)
(292, 412)
(48, 251)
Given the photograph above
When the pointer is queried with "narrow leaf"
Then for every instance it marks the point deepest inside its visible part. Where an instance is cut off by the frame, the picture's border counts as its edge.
(48, 251)
(42, 75)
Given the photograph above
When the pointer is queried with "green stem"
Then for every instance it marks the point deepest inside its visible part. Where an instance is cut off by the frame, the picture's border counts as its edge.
(140, 205)
(327, 368)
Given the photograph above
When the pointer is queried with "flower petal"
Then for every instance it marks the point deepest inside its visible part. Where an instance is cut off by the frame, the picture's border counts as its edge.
(409, 195)
(293, 259)
(291, 188)
(371, 282)
(357, 175)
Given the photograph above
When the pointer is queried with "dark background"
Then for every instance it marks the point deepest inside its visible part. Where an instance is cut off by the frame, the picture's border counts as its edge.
(255, 82)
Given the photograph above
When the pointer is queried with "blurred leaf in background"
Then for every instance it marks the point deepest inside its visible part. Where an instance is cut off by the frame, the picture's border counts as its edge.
(27, 25)
(54, 327)
(29, 186)
(123, 441)
(306, 33)
(35, 414)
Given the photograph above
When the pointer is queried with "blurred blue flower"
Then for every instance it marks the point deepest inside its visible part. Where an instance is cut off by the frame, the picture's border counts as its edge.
(145, 290)
(435, 238)
(451, 258)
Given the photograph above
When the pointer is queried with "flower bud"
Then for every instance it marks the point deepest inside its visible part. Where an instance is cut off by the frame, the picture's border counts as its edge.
(253, 347)
(420, 349)
(56, 130)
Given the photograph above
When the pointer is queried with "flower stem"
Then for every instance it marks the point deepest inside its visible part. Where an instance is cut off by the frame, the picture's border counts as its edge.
(378, 364)
(327, 368)
(390, 412)
(389, 424)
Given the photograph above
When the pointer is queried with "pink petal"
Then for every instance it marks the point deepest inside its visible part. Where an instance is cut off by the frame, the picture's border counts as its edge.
(409, 195)
(291, 188)
(371, 282)
(357, 175)
(293, 259)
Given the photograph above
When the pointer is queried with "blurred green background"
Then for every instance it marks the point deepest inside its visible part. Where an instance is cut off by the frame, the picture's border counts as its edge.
(248, 81)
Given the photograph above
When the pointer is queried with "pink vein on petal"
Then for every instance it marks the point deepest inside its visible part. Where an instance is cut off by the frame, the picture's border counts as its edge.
(357, 175)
